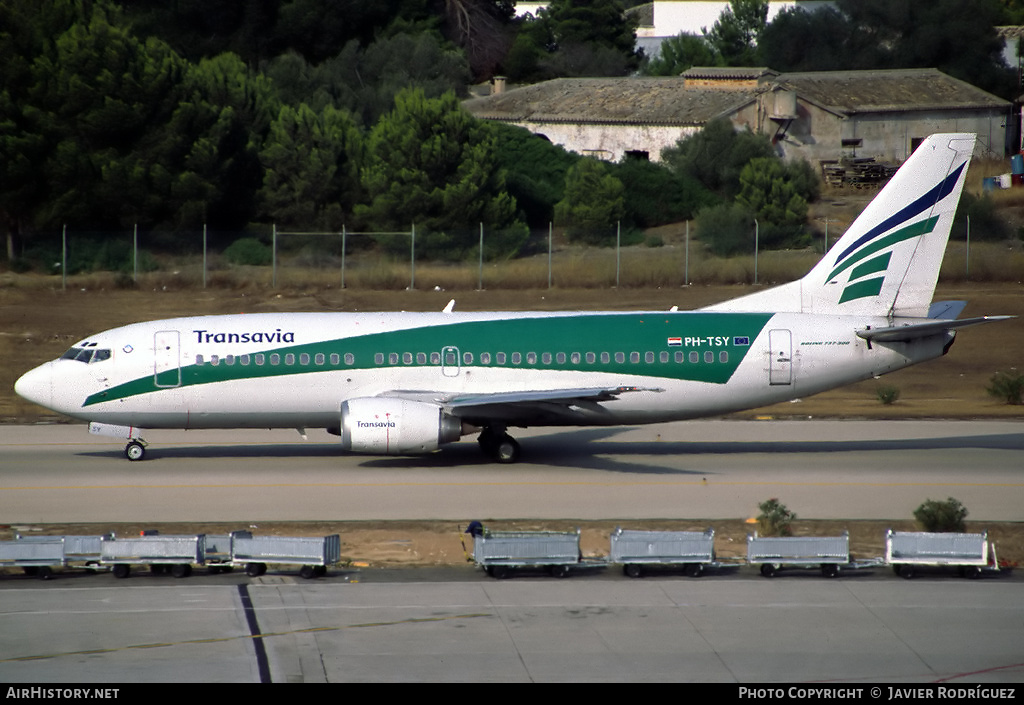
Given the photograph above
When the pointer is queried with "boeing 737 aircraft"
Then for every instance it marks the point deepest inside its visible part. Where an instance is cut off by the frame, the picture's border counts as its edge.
(402, 383)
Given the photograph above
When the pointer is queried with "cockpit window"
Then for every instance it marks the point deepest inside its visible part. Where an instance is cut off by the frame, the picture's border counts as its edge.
(86, 355)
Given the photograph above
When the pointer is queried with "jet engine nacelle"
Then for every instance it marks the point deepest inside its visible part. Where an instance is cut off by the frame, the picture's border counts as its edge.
(384, 426)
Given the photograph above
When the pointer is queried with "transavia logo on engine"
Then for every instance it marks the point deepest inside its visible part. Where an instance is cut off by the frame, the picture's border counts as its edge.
(375, 424)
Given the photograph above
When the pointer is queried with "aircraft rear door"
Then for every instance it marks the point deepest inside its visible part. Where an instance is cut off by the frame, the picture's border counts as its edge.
(780, 370)
(166, 359)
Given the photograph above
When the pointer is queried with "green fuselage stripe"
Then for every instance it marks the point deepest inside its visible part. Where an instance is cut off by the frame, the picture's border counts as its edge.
(544, 337)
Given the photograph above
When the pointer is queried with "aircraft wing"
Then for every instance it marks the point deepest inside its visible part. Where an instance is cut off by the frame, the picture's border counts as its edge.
(524, 407)
(913, 331)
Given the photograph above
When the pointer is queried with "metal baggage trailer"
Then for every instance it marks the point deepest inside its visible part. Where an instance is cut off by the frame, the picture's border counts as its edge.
(497, 552)
(37, 557)
(690, 549)
(829, 553)
(906, 550)
(218, 551)
(314, 554)
(83, 551)
(178, 553)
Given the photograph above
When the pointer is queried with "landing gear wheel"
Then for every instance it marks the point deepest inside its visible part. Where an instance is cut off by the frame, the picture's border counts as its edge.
(499, 445)
(135, 451)
(506, 450)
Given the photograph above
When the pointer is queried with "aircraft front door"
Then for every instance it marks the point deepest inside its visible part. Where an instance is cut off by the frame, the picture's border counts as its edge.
(780, 370)
(166, 359)
(450, 365)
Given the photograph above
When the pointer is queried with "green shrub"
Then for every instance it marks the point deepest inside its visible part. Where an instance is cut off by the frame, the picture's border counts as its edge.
(945, 516)
(888, 394)
(775, 519)
(1008, 386)
(726, 229)
(248, 251)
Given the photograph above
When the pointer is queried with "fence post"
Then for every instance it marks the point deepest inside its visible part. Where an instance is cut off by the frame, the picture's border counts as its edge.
(618, 251)
(550, 228)
(204, 255)
(412, 258)
(967, 260)
(756, 235)
(64, 258)
(480, 276)
(686, 266)
(135, 255)
(344, 232)
(273, 256)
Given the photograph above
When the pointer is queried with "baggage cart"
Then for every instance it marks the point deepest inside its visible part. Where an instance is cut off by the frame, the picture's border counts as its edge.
(498, 552)
(312, 553)
(829, 553)
(37, 557)
(692, 550)
(176, 554)
(906, 551)
(218, 551)
(78, 550)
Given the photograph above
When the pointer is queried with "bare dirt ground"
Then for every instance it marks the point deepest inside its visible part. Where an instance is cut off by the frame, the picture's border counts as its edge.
(38, 322)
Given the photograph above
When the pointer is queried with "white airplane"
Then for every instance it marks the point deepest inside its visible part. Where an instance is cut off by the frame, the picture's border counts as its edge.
(403, 383)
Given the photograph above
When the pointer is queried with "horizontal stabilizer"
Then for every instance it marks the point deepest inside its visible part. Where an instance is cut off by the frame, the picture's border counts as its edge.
(914, 331)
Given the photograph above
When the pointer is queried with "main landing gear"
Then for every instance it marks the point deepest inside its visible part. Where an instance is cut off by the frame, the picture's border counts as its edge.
(135, 450)
(497, 444)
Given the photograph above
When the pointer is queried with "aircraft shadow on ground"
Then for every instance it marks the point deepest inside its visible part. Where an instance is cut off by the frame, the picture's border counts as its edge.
(589, 448)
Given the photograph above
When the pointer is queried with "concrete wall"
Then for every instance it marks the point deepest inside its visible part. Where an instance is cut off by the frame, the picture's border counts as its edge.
(611, 142)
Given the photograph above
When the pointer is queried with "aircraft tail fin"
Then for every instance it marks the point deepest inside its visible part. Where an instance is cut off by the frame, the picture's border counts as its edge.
(887, 263)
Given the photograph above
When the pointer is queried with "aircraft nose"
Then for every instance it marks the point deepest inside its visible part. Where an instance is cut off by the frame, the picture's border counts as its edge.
(36, 386)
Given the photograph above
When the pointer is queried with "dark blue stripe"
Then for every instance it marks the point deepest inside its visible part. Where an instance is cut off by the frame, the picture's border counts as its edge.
(920, 205)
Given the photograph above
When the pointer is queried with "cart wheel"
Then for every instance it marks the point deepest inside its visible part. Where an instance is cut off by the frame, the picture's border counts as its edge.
(498, 572)
(255, 570)
(45, 572)
(122, 571)
(906, 571)
(560, 571)
(769, 570)
(632, 570)
(306, 572)
(830, 570)
(695, 570)
(972, 572)
(181, 570)
(319, 571)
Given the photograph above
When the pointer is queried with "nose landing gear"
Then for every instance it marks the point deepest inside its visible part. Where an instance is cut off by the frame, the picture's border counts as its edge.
(135, 450)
